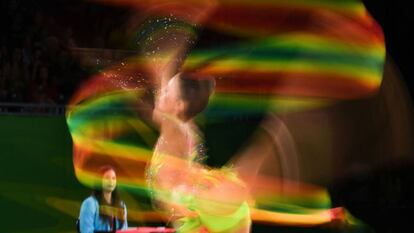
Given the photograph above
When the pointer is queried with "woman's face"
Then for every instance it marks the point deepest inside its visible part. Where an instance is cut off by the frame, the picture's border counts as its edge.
(109, 181)
(168, 100)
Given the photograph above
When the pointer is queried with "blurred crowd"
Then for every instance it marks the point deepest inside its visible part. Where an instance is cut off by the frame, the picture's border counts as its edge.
(36, 62)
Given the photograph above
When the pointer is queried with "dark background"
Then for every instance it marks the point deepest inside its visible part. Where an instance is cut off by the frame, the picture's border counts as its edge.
(396, 19)
(386, 201)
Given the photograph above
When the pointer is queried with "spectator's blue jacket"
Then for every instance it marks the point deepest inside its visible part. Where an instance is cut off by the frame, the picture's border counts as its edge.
(90, 221)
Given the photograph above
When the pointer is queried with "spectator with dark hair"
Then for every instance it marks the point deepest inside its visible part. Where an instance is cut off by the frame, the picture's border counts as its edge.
(27, 51)
(40, 89)
(46, 86)
(4, 69)
(16, 76)
(103, 211)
